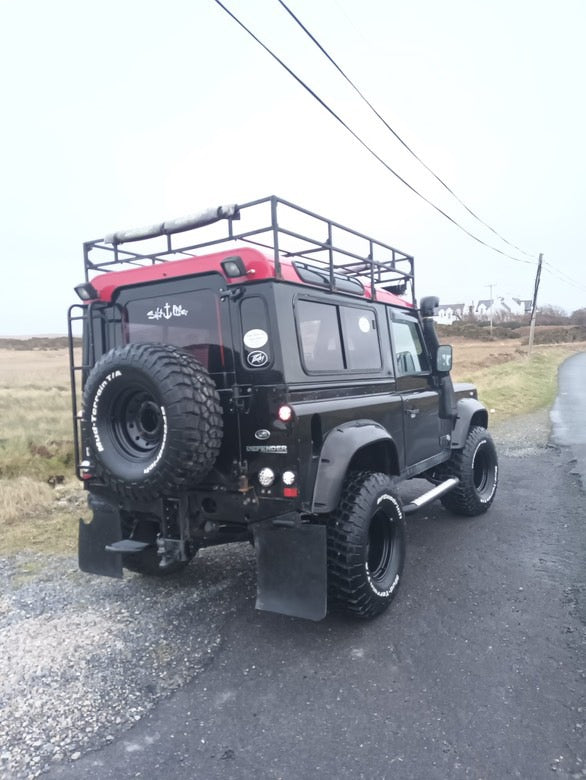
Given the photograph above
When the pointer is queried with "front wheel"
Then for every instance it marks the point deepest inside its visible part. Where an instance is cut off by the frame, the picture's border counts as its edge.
(476, 466)
(366, 546)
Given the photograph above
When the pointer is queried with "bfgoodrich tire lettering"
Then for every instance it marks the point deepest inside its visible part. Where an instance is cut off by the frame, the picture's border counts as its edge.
(366, 546)
(152, 420)
(476, 466)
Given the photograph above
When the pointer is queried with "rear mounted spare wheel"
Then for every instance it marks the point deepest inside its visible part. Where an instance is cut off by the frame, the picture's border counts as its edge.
(153, 420)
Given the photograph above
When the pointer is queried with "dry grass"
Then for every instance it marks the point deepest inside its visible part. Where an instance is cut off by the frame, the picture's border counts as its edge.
(35, 414)
(36, 449)
(508, 381)
(22, 496)
(35, 516)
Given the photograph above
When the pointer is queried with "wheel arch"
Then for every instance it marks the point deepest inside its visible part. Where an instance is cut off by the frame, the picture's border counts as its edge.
(470, 412)
(362, 445)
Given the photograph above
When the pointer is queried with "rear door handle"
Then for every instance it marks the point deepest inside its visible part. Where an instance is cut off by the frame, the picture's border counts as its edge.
(413, 412)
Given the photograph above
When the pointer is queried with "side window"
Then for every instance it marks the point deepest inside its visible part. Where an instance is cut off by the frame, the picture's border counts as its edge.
(360, 338)
(320, 336)
(411, 357)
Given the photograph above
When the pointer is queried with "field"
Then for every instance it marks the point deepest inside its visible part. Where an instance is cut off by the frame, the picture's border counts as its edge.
(40, 498)
(509, 382)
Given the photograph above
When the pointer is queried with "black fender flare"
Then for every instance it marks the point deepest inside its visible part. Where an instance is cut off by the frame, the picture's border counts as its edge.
(469, 411)
(339, 447)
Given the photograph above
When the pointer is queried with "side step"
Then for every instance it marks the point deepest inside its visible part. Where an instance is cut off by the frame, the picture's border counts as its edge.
(127, 546)
(431, 495)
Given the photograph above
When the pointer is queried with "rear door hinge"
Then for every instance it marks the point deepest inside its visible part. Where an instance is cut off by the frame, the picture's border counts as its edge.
(240, 399)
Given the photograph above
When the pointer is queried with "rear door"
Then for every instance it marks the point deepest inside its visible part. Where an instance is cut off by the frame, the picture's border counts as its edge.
(191, 313)
(420, 400)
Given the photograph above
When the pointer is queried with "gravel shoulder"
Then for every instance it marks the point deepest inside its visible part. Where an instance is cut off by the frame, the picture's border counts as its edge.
(82, 658)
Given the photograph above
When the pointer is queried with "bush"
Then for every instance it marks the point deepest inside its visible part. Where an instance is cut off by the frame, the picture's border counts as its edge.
(511, 324)
(478, 331)
(556, 334)
(578, 317)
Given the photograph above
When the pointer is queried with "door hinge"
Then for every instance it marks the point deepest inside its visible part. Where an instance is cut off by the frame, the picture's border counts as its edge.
(240, 400)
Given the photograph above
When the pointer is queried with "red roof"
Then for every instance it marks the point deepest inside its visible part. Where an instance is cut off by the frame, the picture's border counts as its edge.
(258, 266)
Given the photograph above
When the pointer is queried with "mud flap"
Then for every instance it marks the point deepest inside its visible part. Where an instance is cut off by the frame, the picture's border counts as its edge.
(291, 563)
(105, 529)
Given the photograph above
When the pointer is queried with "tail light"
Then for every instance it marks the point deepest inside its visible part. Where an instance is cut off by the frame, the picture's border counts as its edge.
(285, 413)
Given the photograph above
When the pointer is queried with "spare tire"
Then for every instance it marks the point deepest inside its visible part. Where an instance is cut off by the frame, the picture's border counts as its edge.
(152, 420)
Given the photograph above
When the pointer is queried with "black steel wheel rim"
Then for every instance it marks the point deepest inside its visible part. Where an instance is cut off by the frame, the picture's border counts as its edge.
(482, 469)
(381, 549)
(137, 425)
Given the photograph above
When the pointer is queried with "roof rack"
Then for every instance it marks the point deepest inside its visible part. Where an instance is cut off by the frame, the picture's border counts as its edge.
(287, 230)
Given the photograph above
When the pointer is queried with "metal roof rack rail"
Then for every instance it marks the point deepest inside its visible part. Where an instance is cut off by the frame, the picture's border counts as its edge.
(287, 230)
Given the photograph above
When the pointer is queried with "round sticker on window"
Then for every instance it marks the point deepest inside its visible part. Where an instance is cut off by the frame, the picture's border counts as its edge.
(255, 338)
(364, 324)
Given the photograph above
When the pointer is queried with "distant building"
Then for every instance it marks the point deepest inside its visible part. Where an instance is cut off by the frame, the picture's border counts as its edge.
(449, 312)
(500, 308)
(483, 309)
(524, 306)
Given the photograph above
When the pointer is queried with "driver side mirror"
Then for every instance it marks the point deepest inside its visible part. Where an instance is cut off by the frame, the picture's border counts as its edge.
(443, 359)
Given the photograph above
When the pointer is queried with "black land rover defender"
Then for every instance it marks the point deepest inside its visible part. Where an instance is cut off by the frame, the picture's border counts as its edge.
(259, 373)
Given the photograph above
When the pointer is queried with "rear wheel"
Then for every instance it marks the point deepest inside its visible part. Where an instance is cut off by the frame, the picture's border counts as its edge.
(366, 546)
(476, 466)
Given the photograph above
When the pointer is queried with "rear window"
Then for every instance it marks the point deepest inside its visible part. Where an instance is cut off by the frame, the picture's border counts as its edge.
(189, 320)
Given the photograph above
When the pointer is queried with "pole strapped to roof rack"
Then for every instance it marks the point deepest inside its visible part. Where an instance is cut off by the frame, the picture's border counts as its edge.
(207, 217)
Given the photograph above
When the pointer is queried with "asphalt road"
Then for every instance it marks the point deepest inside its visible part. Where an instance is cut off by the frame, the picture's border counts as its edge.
(569, 411)
(478, 670)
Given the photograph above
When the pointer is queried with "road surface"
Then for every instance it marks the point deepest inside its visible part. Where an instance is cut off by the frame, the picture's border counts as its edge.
(478, 670)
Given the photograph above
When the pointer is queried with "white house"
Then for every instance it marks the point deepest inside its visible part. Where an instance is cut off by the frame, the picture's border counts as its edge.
(501, 307)
(449, 312)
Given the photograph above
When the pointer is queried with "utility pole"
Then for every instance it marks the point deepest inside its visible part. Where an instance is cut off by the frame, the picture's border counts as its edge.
(534, 305)
(490, 286)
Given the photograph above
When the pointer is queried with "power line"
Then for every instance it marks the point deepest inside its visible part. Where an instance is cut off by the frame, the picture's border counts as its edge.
(363, 143)
(394, 133)
(562, 276)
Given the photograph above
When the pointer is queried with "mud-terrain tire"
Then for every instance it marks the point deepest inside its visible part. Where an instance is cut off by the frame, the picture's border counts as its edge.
(147, 561)
(476, 466)
(366, 546)
(152, 420)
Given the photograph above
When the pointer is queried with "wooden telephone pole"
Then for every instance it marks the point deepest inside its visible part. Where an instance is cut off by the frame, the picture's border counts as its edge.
(490, 286)
(534, 306)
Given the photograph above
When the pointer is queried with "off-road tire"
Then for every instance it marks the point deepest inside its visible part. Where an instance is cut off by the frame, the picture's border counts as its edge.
(476, 466)
(366, 546)
(147, 561)
(152, 420)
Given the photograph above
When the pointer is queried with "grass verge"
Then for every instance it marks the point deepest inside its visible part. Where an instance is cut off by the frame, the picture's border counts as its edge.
(521, 385)
(40, 499)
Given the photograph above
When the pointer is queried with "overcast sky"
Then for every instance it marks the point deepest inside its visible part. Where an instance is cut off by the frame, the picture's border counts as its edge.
(119, 114)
